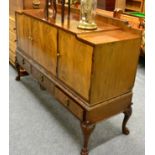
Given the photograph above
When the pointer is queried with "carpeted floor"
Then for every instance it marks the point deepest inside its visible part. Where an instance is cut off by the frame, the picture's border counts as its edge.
(39, 125)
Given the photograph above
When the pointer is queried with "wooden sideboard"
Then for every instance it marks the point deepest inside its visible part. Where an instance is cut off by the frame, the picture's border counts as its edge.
(89, 72)
(16, 5)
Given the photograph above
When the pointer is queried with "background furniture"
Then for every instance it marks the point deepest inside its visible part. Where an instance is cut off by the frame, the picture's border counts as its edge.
(135, 5)
(135, 22)
(16, 5)
(106, 4)
(91, 76)
(125, 5)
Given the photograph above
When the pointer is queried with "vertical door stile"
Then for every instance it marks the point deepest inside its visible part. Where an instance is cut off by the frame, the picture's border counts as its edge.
(31, 37)
(58, 54)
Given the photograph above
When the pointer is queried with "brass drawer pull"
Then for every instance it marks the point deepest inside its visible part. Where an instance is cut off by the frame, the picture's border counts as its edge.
(23, 62)
(42, 78)
(30, 38)
(67, 102)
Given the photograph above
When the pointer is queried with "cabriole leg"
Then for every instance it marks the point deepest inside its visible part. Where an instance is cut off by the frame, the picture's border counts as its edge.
(127, 114)
(87, 129)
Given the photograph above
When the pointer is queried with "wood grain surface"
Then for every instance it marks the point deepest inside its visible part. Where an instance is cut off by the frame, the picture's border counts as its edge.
(113, 73)
(74, 65)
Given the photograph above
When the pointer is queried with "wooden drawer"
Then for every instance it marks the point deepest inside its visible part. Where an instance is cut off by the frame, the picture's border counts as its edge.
(43, 80)
(69, 103)
(23, 63)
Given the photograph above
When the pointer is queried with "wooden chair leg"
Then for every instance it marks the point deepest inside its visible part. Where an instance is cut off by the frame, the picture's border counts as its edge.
(55, 7)
(127, 114)
(87, 129)
(62, 11)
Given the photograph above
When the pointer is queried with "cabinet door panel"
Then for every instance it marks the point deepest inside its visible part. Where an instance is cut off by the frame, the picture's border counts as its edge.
(44, 45)
(23, 24)
(74, 64)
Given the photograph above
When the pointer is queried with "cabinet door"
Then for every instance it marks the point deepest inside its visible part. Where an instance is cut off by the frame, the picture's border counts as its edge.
(74, 63)
(23, 24)
(44, 45)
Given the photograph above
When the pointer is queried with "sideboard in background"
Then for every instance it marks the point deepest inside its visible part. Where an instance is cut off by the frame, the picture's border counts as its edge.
(13, 6)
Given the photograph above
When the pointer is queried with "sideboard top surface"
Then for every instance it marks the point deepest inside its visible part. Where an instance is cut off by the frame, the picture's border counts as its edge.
(70, 24)
(105, 32)
(107, 37)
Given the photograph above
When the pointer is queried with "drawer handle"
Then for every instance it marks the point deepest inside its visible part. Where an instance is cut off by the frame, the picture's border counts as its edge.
(30, 38)
(42, 78)
(23, 61)
(67, 102)
(14, 28)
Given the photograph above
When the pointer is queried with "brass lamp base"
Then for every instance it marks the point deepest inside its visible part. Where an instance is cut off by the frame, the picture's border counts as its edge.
(87, 26)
